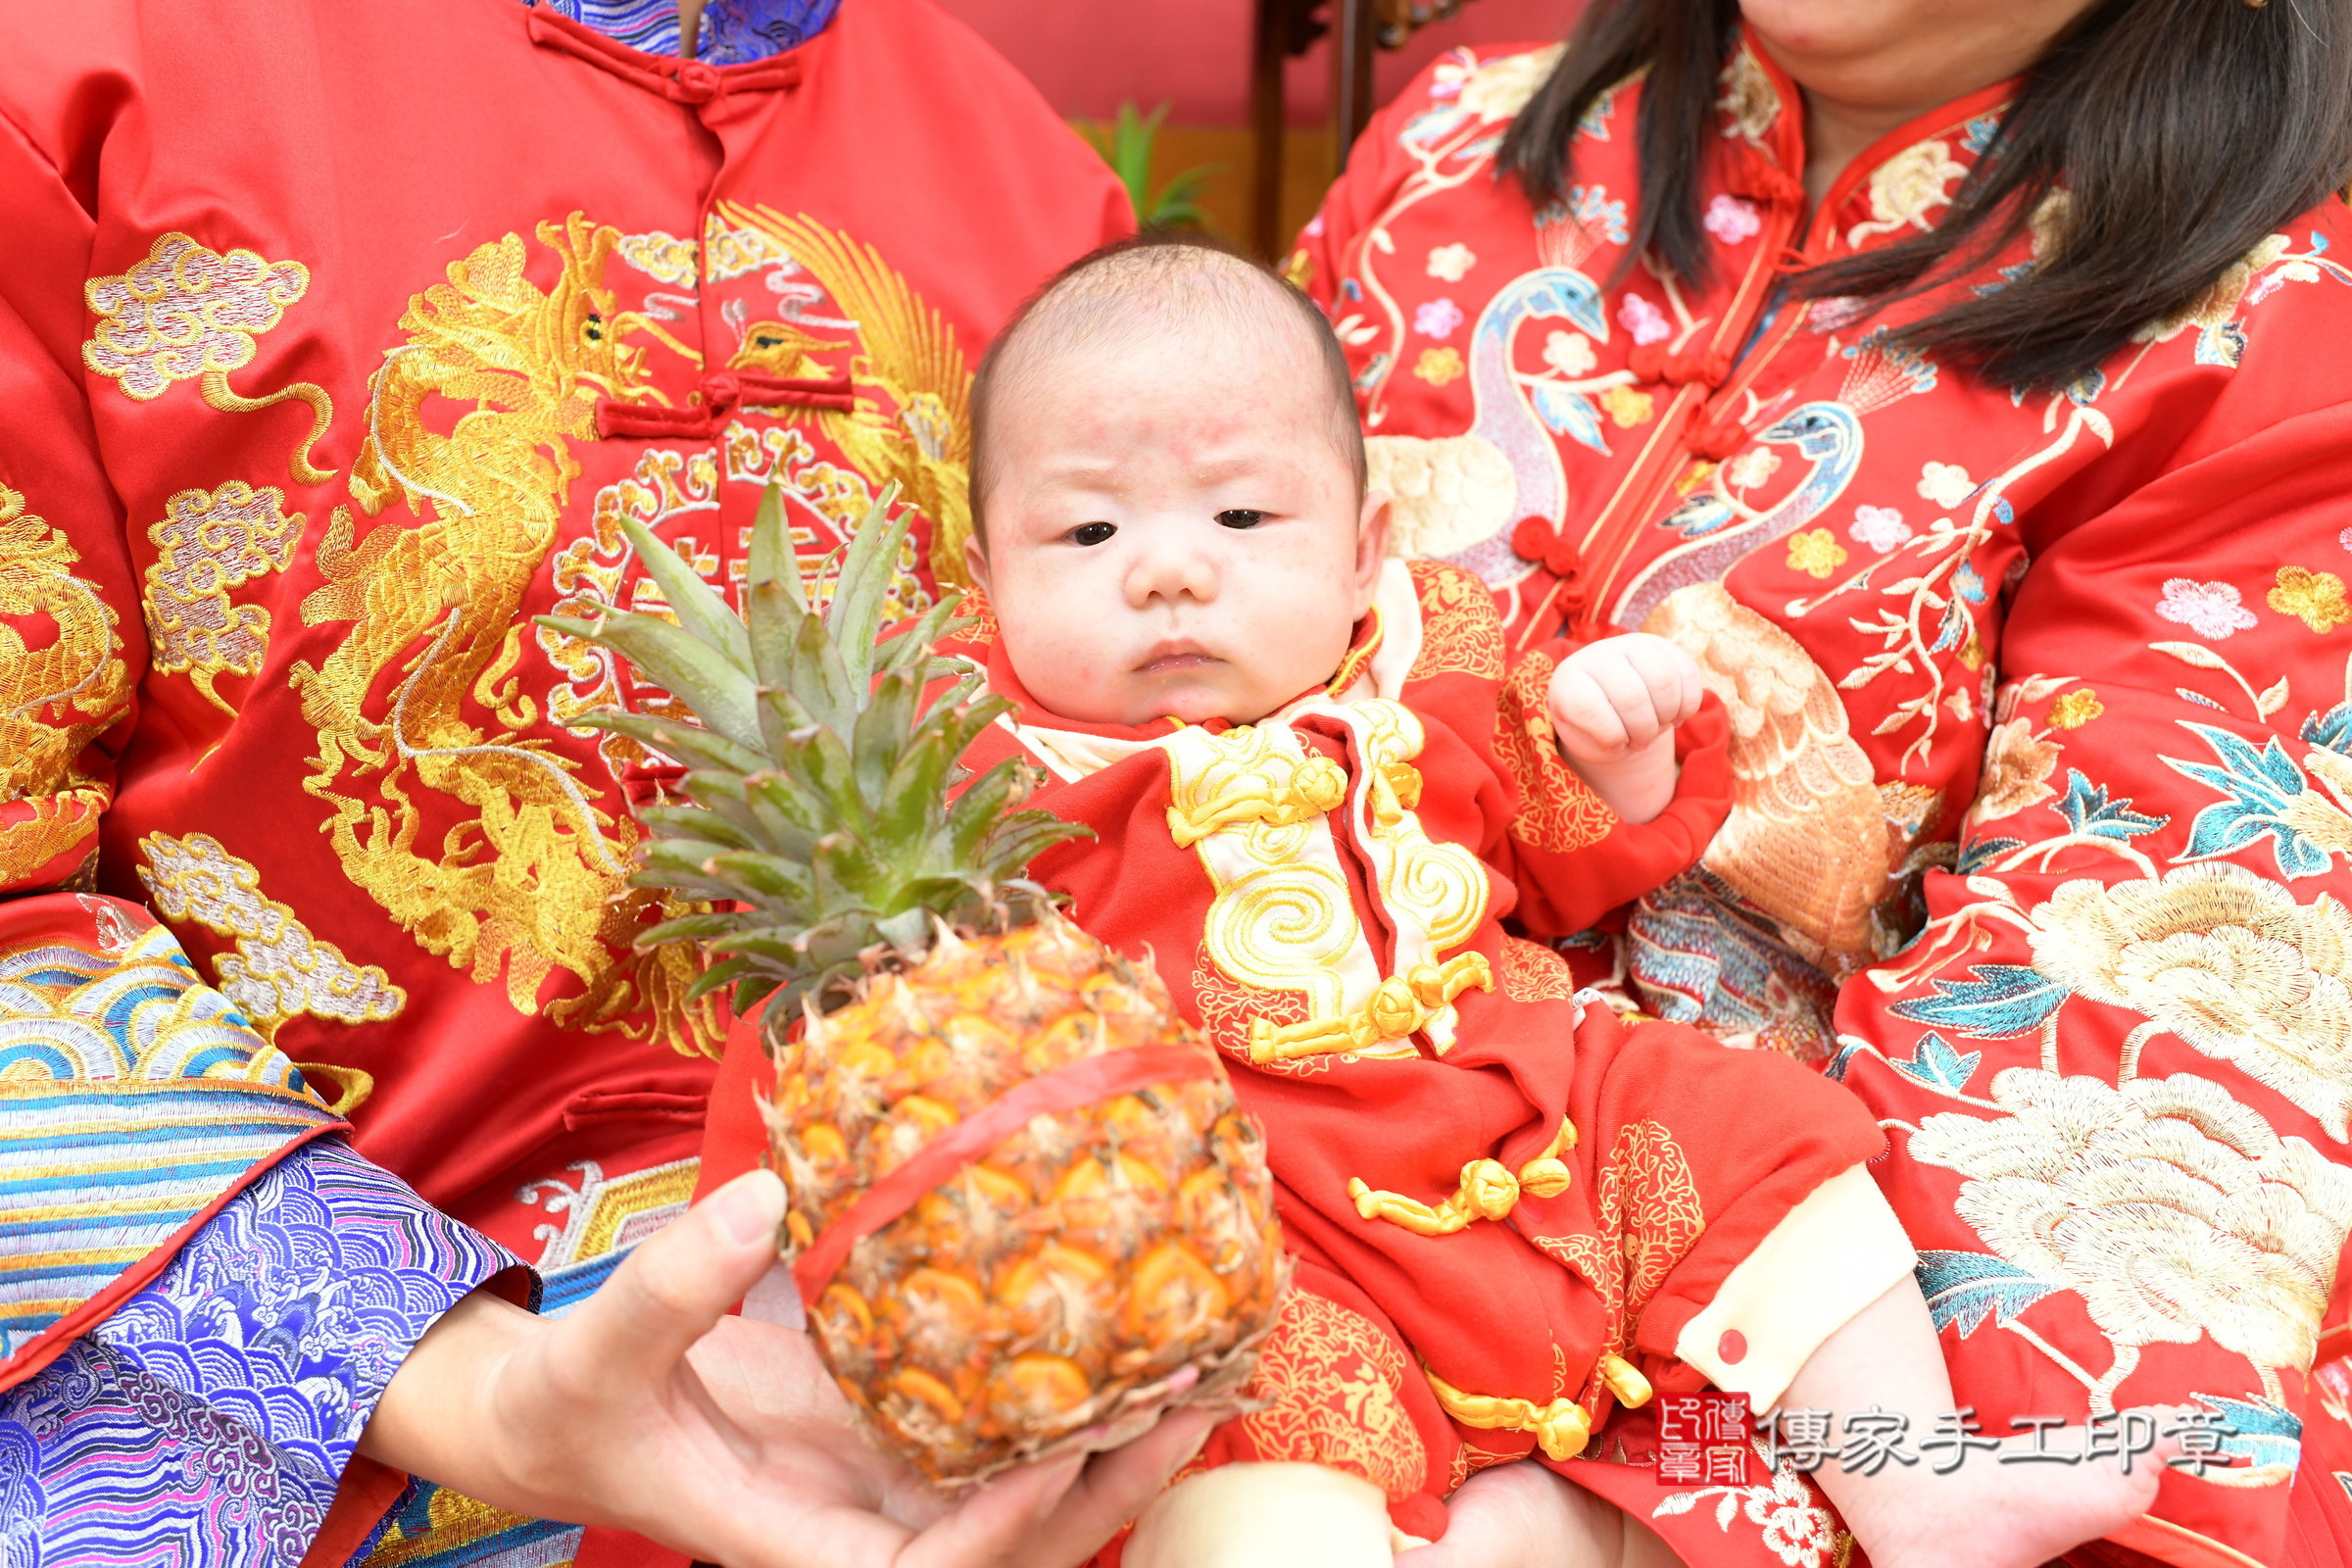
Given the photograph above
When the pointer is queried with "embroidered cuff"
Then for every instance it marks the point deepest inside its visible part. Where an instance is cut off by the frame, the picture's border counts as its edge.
(1829, 1257)
(218, 1407)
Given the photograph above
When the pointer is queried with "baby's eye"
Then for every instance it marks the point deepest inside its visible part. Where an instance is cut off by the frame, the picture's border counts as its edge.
(1092, 533)
(1240, 518)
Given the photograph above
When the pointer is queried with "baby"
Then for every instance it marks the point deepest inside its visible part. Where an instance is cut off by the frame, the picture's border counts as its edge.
(1318, 794)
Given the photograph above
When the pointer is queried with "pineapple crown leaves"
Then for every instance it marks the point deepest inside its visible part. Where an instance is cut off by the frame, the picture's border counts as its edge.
(818, 775)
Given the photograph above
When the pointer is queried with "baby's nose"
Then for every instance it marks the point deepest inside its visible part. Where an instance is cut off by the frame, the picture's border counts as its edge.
(1169, 573)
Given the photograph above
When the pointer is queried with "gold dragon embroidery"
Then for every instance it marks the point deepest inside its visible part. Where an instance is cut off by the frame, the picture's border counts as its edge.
(530, 874)
(56, 697)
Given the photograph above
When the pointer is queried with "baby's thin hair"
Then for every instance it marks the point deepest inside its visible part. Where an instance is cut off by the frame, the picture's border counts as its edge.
(1134, 286)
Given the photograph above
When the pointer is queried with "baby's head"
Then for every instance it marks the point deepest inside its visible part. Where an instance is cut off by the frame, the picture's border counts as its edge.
(1168, 489)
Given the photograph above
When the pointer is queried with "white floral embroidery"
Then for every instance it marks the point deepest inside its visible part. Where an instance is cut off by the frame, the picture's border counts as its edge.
(1947, 484)
(2172, 1209)
(1452, 262)
(1571, 354)
(1880, 528)
(1834, 311)
(1751, 467)
(2208, 609)
(1794, 1526)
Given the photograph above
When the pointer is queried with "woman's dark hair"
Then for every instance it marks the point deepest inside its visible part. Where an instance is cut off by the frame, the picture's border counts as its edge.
(2184, 131)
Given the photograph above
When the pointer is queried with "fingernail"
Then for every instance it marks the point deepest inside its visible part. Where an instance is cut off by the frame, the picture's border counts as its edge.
(749, 1207)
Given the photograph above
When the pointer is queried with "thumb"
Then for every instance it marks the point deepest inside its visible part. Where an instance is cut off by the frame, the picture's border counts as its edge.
(676, 1284)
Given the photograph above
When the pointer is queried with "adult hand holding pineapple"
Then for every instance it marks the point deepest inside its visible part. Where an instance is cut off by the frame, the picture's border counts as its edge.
(646, 1409)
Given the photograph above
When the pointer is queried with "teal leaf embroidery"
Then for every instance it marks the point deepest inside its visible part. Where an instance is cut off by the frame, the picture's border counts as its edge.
(2331, 730)
(1978, 853)
(2259, 1431)
(2256, 789)
(2000, 1001)
(1938, 1066)
(1964, 1289)
(2088, 811)
(1569, 414)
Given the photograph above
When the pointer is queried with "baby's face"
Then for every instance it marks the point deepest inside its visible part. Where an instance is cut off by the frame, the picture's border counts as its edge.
(1173, 532)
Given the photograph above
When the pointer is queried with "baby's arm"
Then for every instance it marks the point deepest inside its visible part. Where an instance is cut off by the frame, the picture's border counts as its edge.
(1614, 706)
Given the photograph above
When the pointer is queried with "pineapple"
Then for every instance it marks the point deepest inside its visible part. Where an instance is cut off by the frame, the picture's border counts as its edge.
(1091, 1234)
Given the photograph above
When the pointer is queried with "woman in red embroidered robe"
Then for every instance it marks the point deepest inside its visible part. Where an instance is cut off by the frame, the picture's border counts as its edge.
(1986, 451)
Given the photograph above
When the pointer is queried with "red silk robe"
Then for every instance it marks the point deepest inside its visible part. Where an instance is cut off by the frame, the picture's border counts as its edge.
(335, 340)
(2054, 682)
(314, 399)
(1386, 829)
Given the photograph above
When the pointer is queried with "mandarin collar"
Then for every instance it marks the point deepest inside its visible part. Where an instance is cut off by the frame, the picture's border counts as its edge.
(732, 32)
(1899, 185)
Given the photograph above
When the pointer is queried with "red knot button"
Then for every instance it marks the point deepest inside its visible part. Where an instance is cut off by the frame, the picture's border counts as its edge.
(1732, 1348)
(697, 81)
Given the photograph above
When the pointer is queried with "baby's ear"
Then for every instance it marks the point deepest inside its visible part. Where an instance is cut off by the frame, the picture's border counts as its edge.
(1371, 546)
(975, 561)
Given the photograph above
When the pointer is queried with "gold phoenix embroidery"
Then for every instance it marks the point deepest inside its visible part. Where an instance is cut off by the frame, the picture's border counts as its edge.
(908, 353)
(54, 699)
(191, 313)
(279, 969)
(213, 542)
(532, 875)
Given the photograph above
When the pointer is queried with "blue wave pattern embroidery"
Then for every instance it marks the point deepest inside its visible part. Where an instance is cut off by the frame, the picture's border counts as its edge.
(733, 32)
(134, 1095)
(206, 1422)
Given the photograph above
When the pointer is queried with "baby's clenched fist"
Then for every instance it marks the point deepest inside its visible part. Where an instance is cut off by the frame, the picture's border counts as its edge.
(1614, 707)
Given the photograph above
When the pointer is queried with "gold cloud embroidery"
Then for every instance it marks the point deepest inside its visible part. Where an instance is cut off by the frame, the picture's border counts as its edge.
(210, 543)
(278, 969)
(187, 313)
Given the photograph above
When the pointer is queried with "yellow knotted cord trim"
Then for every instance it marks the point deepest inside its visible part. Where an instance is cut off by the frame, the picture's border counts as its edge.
(1624, 1380)
(1401, 1005)
(1488, 1191)
(1314, 787)
(1561, 1428)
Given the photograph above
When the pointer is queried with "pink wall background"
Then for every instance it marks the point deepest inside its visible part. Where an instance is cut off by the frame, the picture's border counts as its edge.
(1086, 56)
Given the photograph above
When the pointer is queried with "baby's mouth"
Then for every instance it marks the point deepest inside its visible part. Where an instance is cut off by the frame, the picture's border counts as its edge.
(1176, 659)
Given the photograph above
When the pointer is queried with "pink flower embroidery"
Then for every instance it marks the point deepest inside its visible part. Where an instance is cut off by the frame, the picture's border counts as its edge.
(1438, 319)
(1880, 528)
(2345, 538)
(1643, 320)
(2208, 609)
(1730, 220)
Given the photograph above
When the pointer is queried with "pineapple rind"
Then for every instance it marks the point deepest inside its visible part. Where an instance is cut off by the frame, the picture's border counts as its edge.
(1071, 1275)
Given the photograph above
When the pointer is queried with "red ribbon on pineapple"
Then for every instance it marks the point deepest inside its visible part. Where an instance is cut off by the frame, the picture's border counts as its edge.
(1081, 1083)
